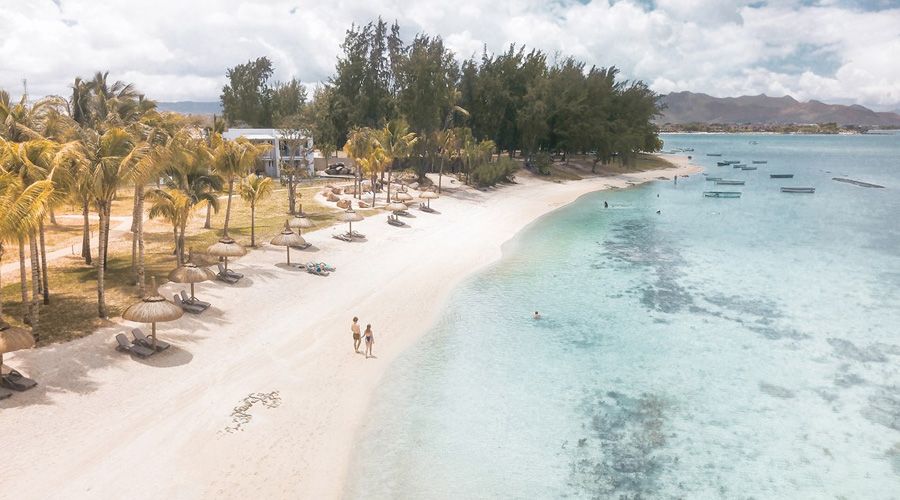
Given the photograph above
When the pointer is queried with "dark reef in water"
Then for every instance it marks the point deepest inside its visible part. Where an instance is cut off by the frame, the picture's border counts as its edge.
(622, 454)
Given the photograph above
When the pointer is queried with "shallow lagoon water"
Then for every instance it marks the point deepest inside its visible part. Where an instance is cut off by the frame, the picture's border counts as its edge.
(724, 348)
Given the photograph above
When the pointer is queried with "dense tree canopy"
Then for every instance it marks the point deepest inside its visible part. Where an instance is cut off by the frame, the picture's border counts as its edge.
(251, 99)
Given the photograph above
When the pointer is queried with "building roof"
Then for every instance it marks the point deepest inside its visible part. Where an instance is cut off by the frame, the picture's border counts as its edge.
(258, 133)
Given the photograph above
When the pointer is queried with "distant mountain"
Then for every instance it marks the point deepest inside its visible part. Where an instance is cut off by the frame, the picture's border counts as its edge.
(688, 107)
(191, 107)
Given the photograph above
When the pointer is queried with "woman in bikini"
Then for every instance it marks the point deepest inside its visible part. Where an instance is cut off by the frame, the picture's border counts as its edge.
(370, 339)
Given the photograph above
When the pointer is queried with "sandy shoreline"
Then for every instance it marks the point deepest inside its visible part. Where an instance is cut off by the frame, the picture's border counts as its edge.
(104, 425)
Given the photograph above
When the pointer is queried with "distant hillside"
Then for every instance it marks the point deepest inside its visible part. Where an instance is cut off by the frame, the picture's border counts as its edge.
(191, 107)
(688, 107)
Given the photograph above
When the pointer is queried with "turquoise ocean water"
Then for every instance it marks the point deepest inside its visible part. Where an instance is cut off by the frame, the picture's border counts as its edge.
(724, 348)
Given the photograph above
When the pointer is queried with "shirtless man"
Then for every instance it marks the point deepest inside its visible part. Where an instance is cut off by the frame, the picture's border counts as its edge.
(356, 336)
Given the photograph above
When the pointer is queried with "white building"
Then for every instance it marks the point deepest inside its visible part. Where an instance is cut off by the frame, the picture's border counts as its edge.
(280, 153)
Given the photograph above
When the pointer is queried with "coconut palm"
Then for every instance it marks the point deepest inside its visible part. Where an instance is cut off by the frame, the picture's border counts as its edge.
(395, 140)
(232, 160)
(21, 208)
(255, 188)
(189, 174)
(447, 142)
(359, 146)
(111, 160)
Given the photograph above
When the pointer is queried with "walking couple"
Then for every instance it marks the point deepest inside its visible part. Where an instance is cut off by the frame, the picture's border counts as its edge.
(370, 337)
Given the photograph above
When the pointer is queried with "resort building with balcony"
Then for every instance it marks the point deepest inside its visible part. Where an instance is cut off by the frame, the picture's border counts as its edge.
(288, 147)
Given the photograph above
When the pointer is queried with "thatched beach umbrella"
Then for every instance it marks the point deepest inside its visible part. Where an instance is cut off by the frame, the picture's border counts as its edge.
(288, 239)
(428, 196)
(191, 273)
(153, 309)
(226, 247)
(402, 197)
(14, 339)
(301, 222)
(350, 216)
(395, 206)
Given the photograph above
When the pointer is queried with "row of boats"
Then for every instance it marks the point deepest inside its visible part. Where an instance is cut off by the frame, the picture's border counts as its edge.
(737, 182)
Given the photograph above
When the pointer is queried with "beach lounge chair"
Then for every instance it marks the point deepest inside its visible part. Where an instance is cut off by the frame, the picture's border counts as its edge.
(16, 381)
(342, 237)
(141, 339)
(303, 246)
(395, 222)
(226, 277)
(136, 349)
(195, 301)
(230, 272)
(357, 234)
(425, 208)
(187, 307)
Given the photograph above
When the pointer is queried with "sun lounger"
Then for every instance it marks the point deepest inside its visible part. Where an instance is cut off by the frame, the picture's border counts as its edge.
(195, 301)
(227, 278)
(141, 339)
(230, 272)
(187, 307)
(16, 381)
(357, 234)
(342, 237)
(303, 246)
(425, 208)
(136, 349)
(402, 213)
(395, 222)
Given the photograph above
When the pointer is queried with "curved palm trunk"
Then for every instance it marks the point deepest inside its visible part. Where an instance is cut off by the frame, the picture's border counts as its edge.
(228, 205)
(1, 281)
(139, 236)
(52, 216)
(33, 257)
(374, 179)
(208, 223)
(253, 223)
(388, 194)
(101, 268)
(440, 174)
(86, 233)
(45, 279)
(23, 282)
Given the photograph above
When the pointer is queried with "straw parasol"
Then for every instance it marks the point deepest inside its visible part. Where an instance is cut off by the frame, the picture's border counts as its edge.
(403, 197)
(226, 247)
(350, 216)
(395, 206)
(288, 238)
(301, 222)
(14, 339)
(428, 196)
(191, 273)
(153, 309)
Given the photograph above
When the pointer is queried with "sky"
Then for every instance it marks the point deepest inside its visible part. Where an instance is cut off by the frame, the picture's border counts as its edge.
(836, 51)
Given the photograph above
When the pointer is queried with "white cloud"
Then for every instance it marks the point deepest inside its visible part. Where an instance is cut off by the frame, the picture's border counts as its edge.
(177, 50)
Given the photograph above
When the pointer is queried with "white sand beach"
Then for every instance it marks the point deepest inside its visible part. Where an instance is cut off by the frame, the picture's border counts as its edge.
(102, 424)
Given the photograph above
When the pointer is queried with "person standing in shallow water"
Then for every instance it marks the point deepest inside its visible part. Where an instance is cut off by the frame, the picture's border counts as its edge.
(370, 339)
(356, 338)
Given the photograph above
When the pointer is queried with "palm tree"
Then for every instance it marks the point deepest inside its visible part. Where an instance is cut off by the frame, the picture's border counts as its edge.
(21, 209)
(255, 188)
(447, 142)
(359, 146)
(233, 160)
(189, 184)
(395, 140)
(110, 160)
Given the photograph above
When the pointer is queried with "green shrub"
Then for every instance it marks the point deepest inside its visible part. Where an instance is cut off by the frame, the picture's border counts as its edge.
(542, 162)
(489, 174)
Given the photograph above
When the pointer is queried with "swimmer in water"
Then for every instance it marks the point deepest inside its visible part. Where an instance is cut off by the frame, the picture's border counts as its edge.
(537, 315)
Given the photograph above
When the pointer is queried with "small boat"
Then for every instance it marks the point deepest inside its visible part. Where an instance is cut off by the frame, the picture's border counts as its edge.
(754, 142)
(723, 163)
(781, 176)
(730, 182)
(722, 194)
(760, 162)
(732, 162)
(738, 165)
(798, 190)
(713, 154)
(748, 168)
(687, 150)
(714, 178)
